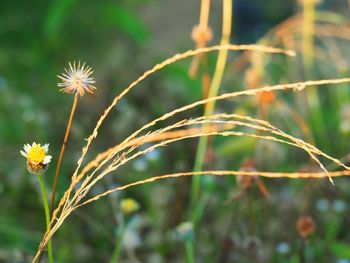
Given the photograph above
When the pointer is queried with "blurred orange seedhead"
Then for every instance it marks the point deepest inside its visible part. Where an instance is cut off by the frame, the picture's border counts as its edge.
(306, 226)
(201, 35)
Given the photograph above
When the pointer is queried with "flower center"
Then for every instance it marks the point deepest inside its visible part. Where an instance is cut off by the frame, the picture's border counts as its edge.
(76, 81)
(36, 154)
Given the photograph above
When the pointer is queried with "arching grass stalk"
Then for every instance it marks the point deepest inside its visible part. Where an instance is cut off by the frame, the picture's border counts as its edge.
(209, 108)
(69, 203)
(47, 213)
(64, 208)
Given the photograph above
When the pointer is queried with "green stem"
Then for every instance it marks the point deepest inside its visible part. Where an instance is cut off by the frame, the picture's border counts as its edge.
(118, 244)
(198, 165)
(47, 213)
(189, 252)
(308, 48)
(209, 109)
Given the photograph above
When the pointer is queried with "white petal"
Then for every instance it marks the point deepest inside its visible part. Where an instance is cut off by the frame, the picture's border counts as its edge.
(46, 147)
(27, 148)
(23, 153)
(47, 159)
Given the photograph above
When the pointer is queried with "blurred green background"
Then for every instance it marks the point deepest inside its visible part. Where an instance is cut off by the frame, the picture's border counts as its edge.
(122, 39)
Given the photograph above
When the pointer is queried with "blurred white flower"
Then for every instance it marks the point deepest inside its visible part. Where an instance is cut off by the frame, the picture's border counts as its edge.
(184, 231)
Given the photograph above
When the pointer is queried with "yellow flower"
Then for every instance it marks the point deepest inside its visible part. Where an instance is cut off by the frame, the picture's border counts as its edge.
(129, 206)
(77, 79)
(37, 158)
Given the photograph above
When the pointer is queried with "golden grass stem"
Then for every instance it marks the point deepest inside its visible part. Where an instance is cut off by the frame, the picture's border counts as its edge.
(294, 86)
(148, 139)
(204, 13)
(62, 152)
(64, 215)
(272, 175)
(311, 150)
(147, 73)
(315, 175)
(163, 64)
(251, 92)
(60, 215)
(224, 96)
(300, 121)
(295, 142)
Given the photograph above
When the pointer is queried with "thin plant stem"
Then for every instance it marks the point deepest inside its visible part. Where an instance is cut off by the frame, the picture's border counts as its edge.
(302, 251)
(209, 107)
(62, 152)
(47, 213)
(189, 252)
(203, 25)
(118, 243)
(308, 46)
(204, 15)
(308, 32)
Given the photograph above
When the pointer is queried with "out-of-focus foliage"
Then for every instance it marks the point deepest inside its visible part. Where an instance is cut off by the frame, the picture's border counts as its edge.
(122, 39)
